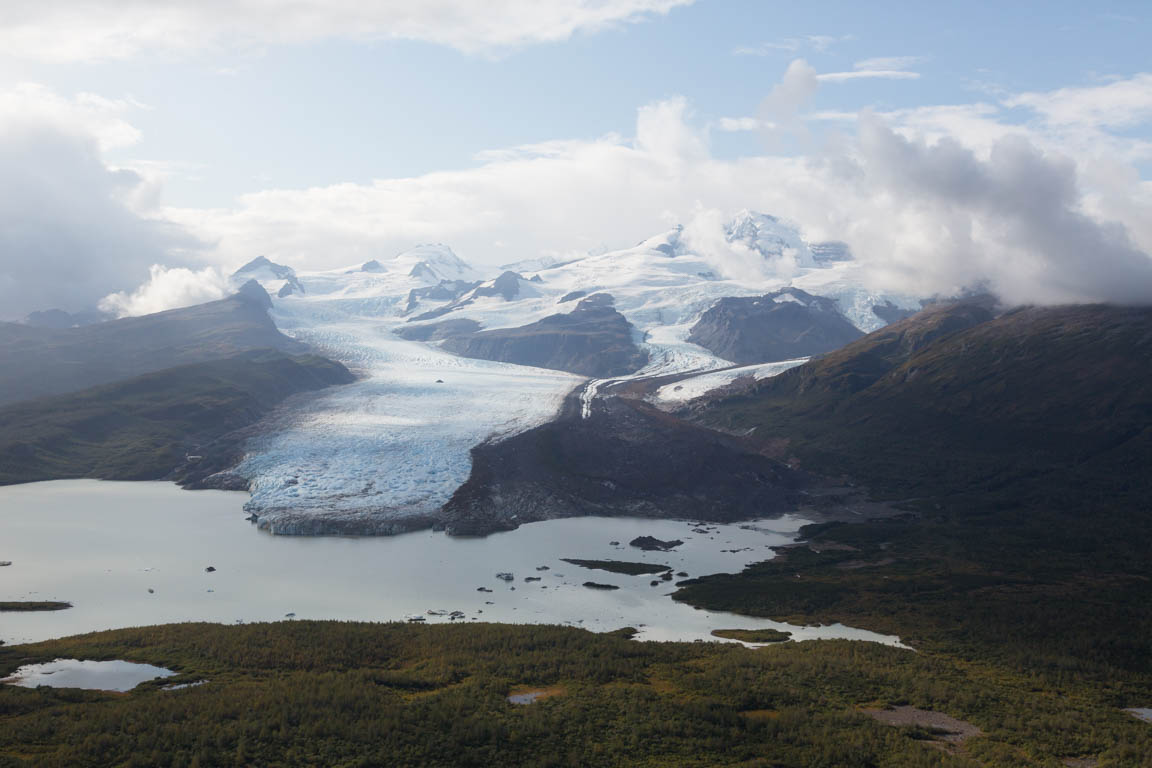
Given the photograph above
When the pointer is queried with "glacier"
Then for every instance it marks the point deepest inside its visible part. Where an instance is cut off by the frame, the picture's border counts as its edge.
(383, 454)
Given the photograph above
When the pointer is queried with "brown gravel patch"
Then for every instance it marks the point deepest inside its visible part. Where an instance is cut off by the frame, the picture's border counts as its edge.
(956, 731)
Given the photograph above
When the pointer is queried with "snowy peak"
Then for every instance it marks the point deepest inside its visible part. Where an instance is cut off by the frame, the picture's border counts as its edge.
(507, 286)
(432, 263)
(769, 236)
(666, 243)
(261, 266)
(273, 277)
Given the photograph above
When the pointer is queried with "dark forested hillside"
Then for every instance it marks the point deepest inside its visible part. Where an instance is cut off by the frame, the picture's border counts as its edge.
(1020, 447)
(48, 361)
(143, 428)
(1037, 405)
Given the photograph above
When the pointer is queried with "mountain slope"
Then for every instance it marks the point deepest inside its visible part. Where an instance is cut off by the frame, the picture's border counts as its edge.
(1020, 445)
(423, 331)
(44, 361)
(142, 428)
(621, 458)
(782, 325)
(1036, 404)
(592, 340)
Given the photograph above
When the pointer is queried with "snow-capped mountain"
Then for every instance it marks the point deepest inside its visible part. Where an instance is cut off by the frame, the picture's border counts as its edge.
(769, 236)
(385, 453)
(432, 263)
(277, 279)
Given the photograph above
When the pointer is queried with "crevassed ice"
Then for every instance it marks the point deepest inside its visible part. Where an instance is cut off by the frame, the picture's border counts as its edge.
(396, 443)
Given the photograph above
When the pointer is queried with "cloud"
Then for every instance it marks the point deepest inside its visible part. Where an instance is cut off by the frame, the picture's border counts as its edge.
(168, 288)
(888, 62)
(867, 74)
(881, 68)
(72, 229)
(782, 106)
(80, 30)
(1120, 104)
(737, 124)
(86, 114)
(931, 200)
(817, 43)
(705, 234)
(935, 217)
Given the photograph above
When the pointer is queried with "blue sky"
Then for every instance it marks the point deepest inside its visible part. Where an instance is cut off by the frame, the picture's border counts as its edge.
(342, 110)
(142, 136)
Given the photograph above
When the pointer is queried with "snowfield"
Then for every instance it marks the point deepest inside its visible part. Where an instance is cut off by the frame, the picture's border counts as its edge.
(389, 450)
(684, 390)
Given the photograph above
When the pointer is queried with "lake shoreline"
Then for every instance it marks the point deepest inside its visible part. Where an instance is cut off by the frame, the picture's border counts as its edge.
(132, 554)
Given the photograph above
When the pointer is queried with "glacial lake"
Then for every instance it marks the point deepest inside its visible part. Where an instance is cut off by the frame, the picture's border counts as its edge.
(133, 554)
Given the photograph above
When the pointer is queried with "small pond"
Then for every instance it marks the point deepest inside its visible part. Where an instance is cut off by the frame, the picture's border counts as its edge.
(90, 675)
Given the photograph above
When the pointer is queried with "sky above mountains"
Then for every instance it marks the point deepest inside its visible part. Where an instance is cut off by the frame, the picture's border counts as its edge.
(951, 145)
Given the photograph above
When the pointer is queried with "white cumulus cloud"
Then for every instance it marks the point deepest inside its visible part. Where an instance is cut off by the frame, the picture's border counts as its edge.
(168, 288)
(931, 200)
(72, 228)
(81, 30)
(867, 74)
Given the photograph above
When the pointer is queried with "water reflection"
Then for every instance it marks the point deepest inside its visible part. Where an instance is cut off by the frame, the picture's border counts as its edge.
(130, 554)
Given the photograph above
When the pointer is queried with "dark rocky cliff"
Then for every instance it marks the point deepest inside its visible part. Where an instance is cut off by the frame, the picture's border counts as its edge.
(593, 340)
(626, 458)
(782, 325)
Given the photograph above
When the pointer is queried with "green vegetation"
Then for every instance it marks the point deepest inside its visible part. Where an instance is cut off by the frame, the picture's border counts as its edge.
(1020, 448)
(34, 605)
(346, 694)
(143, 428)
(1060, 598)
(753, 635)
(619, 566)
